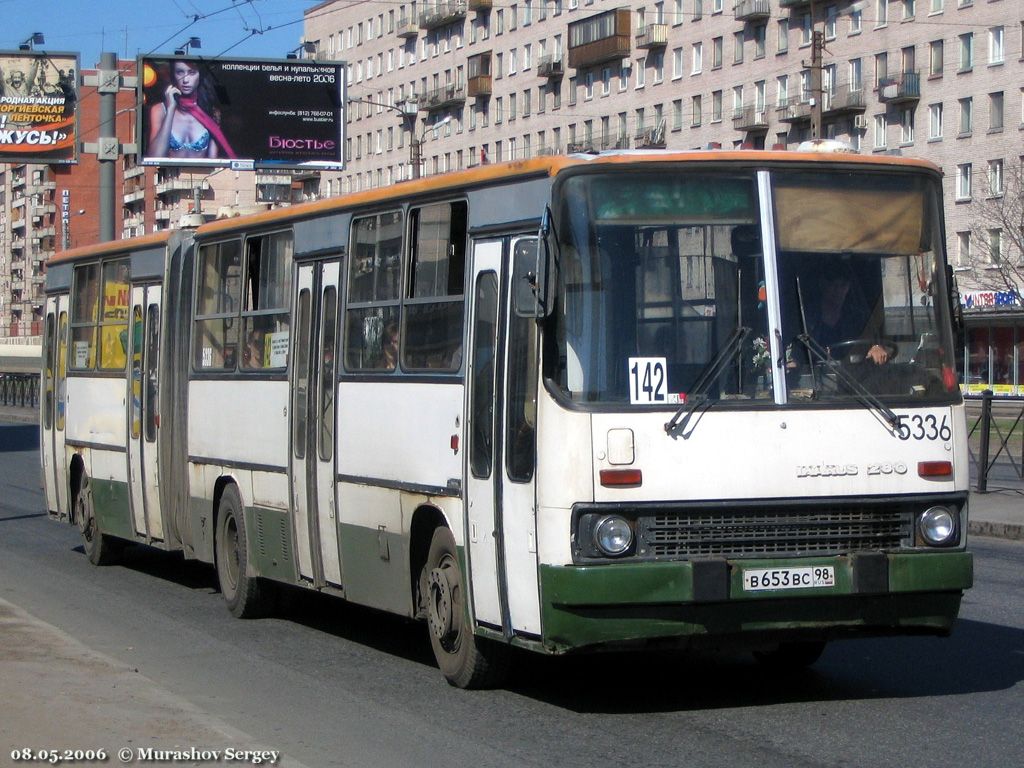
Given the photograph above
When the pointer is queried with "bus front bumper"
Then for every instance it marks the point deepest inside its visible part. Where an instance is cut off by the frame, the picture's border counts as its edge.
(709, 602)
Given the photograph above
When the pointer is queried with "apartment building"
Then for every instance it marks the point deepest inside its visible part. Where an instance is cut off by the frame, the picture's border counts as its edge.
(438, 85)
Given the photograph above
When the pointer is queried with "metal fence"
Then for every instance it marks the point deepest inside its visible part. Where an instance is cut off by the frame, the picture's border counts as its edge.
(19, 390)
(996, 441)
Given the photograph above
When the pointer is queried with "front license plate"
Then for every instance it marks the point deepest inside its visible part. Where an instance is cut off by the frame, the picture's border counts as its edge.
(807, 577)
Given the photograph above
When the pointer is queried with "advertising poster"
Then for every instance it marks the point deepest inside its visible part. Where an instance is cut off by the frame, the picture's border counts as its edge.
(240, 113)
(38, 100)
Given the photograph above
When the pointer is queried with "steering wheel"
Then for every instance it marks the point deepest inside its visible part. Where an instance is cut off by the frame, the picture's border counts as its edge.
(854, 351)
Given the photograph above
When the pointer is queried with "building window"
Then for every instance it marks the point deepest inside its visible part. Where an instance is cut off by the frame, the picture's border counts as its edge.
(677, 114)
(737, 47)
(935, 121)
(995, 177)
(831, 14)
(963, 249)
(879, 133)
(677, 63)
(907, 126)
(966, 52)
(963, 181)
(881, 13)
(783, 29)
(935, 58)
(909, 9)
(995, 45)
(966, 116)
(760, 41)
(856, 21)
(717, 45)
(697, 111)
(698, 59)
(995, 245)
(995, 111)
(716, 107)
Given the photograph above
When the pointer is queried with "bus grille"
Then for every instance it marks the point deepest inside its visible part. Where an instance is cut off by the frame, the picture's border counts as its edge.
(767, 533)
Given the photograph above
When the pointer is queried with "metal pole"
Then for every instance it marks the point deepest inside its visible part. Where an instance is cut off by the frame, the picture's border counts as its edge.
(817, 44)
(415, 152)
(986, 431)
(108, 133)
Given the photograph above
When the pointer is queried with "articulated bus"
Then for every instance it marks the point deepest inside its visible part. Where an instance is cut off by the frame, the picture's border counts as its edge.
(632, 400)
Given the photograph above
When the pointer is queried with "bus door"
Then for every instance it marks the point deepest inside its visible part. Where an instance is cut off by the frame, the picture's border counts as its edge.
(144, 410)
(314, 389)
(501, 416)
(54, 403)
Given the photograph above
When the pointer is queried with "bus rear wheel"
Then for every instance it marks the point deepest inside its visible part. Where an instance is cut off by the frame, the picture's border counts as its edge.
(467, 661)
(245, 595)
(99, 548)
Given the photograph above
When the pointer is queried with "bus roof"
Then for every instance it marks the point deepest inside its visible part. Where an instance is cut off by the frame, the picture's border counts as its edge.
(113, 246)
(488, 174)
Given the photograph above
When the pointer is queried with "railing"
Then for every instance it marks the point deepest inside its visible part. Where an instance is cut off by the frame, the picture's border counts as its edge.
(550, 66)
(442, 97)
(905, 87)
(19, 390)
(750, 10)
(652, 36)
(749, 118)
(407, 27)
(443, 13)
(1007, 422)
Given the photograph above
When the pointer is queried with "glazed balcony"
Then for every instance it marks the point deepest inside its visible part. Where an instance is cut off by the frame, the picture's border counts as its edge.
(594, 41)
(479, 86)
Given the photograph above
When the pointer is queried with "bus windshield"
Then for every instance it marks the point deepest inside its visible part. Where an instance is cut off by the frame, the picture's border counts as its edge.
(862, 287)
(670, 268)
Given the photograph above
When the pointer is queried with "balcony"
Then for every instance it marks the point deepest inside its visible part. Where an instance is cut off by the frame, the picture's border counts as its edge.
(407, 27)
(443, 13)
(135, 170)
(795, 109)
(479, 86)
(652, 36)
(750, 118)
(163, 214)
(134, 197)
(588, 49)
(843, 100)
(752, 10)
(650, 138)
(574, 147)
(550, 67)
(614, 141)
(480, 5)
(445, 96)
(900, 89)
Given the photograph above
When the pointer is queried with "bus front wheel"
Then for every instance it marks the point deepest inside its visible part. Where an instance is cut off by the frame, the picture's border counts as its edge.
(467, 661)
(100, 549)
(245, 595)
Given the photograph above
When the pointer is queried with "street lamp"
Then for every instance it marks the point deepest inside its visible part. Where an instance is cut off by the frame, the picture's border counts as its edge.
(408, 109)
(36, 38)
(416, 144)
(192, 42)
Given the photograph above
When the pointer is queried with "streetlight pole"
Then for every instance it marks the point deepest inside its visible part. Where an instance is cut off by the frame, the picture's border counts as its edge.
(416, 145)
(408, 112)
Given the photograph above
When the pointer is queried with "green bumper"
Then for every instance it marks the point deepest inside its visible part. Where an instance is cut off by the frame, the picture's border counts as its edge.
(703, 602)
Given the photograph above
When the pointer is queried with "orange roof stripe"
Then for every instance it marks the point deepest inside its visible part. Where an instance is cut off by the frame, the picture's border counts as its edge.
(113, 246)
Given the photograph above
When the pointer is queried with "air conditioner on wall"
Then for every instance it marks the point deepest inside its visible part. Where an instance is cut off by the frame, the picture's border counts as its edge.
(860, 122)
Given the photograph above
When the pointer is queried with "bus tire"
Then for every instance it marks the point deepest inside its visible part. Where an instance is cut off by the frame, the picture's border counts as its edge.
(791, 656)
(466, 661)
(99, 548)
(244, 594)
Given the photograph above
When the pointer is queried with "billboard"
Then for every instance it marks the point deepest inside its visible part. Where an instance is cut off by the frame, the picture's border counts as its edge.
(38, 100)
(242, 113)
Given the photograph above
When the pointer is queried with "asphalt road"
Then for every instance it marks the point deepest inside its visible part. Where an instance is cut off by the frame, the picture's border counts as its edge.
(336, 685)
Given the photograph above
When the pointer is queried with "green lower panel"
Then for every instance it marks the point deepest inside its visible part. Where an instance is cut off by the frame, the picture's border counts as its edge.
(894, 594)
(112, 507)
(270, 541)
(374, 568)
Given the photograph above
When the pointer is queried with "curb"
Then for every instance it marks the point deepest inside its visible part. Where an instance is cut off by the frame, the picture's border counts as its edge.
(1013, 531)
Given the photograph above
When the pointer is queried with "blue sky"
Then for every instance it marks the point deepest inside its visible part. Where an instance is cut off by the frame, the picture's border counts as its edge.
(234, 28)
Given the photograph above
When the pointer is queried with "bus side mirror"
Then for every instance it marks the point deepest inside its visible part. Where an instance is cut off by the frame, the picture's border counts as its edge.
(530, 278)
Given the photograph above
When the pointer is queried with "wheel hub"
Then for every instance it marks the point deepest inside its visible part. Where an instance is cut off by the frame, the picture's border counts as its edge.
(439, 608)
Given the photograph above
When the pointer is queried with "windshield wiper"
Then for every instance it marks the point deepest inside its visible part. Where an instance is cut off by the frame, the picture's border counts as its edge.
(861, 392)
(709, 375)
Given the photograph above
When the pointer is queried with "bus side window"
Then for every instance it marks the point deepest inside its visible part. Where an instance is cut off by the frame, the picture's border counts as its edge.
(215, 337)
(371, 320)
(85, 310)
(266, 301)
(435, 305)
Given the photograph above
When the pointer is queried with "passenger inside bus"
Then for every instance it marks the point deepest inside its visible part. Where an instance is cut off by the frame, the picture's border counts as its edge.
(253, 356)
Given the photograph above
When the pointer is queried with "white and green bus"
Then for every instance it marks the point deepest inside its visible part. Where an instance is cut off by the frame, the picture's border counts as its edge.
(645, 399)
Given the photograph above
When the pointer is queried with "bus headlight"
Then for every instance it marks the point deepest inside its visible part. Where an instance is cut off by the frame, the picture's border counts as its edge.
(938, 526)
(613, 535)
